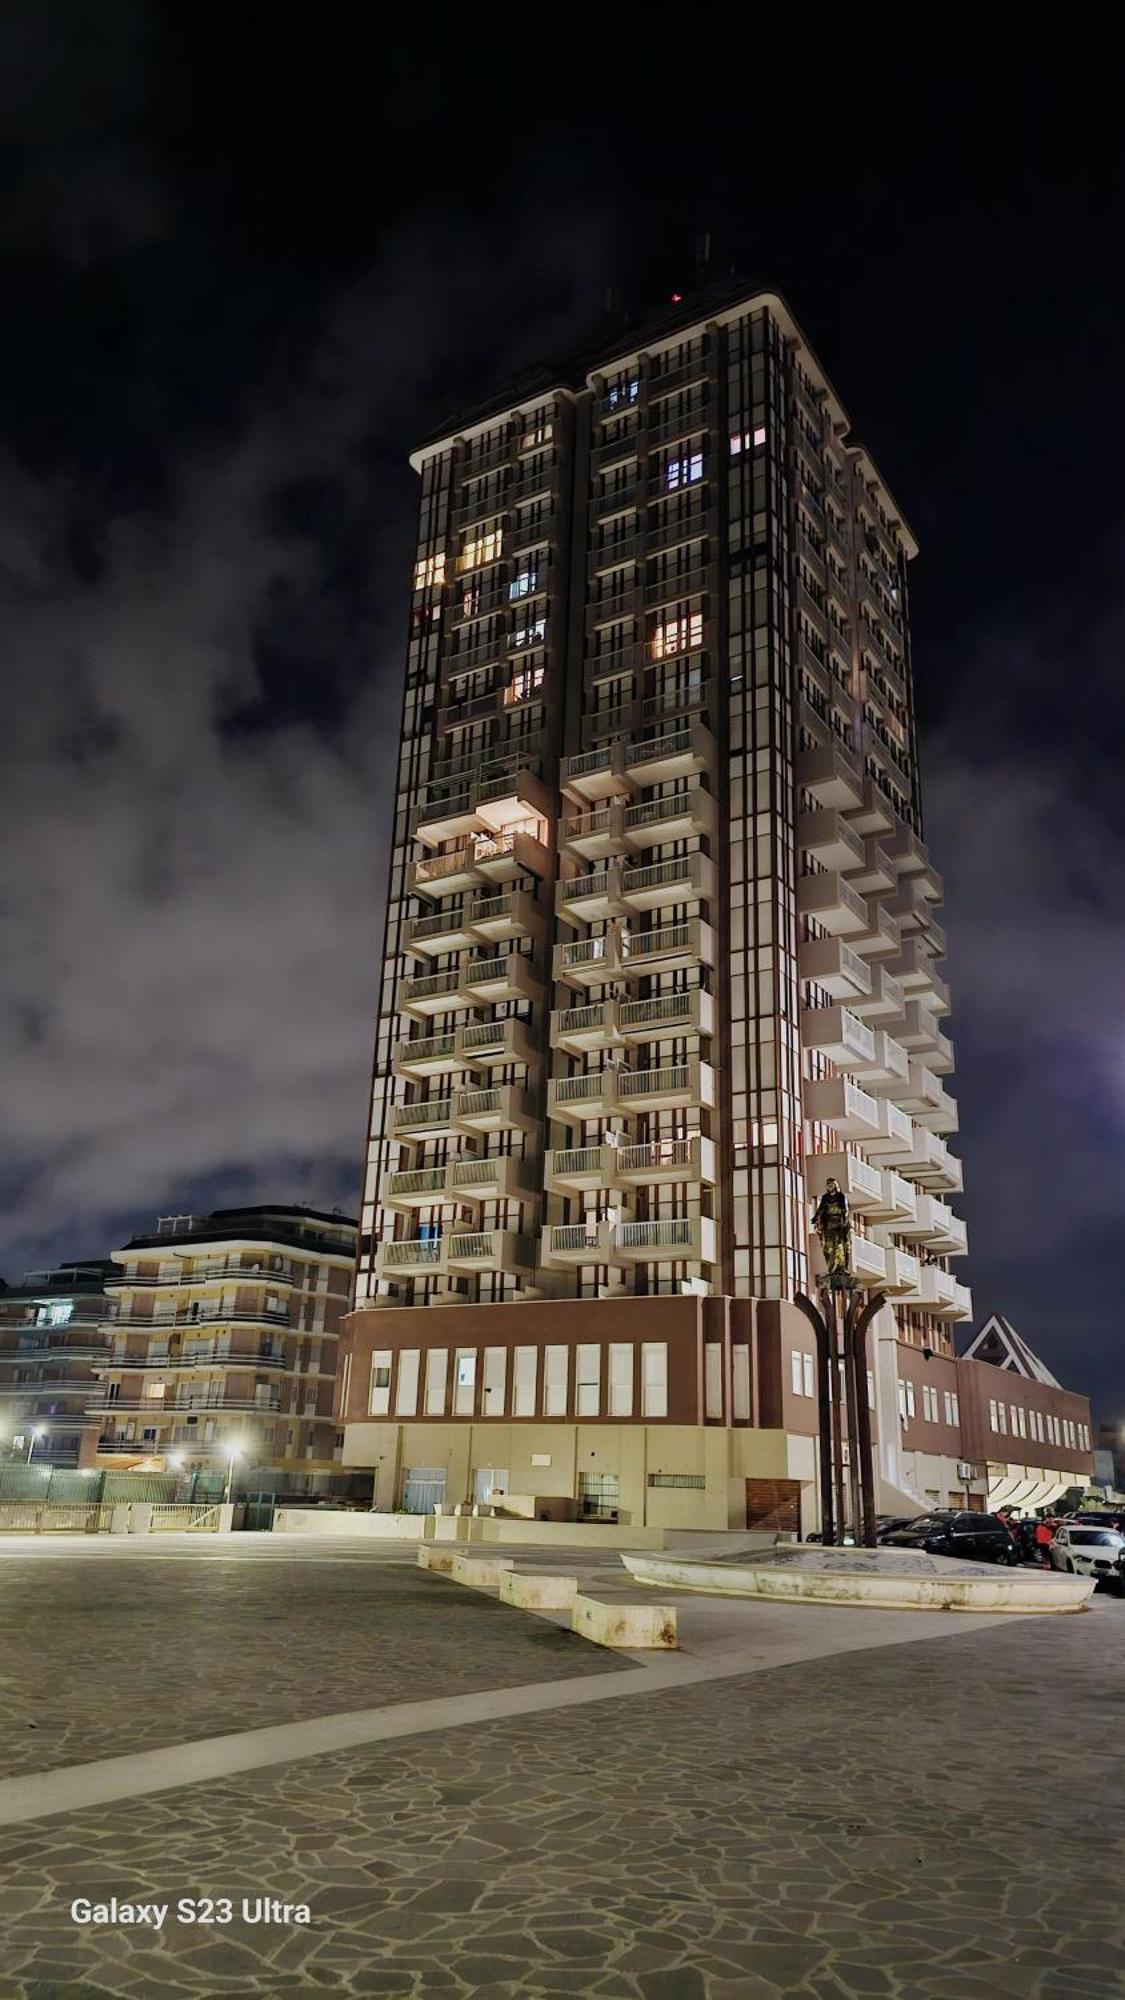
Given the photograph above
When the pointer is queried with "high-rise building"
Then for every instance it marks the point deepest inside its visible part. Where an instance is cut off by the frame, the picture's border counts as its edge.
(51, 1340)
(662, 950)
(223, 1332)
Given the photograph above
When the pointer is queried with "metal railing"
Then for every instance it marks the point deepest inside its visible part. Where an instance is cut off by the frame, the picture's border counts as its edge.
(437, 1111)
(674, 1233)
(675, 1007)
(413, 1250)
(653, 1082)
(657, 1153)
(578, 1160)
(418, 1180)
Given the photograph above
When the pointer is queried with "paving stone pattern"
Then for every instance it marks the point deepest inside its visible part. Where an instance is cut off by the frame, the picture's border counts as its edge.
(939, 1820)
(99, 1658)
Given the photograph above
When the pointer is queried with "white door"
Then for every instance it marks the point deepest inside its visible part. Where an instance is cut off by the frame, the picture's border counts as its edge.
(490, 1484)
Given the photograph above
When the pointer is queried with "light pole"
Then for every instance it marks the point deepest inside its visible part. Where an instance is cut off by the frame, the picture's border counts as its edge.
(233, 1456)
(37, 1431)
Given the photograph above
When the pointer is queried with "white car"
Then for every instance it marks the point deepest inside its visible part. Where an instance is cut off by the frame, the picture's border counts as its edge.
(1088, 1551)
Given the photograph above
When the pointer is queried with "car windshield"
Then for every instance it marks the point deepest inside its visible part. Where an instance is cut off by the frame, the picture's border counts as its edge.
(927, 1524)
(1097, 1538)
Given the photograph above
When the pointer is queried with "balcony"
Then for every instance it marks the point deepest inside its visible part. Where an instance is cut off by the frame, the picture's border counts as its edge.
(917, 1029)
(827, 834)
(431, 937)
(839, 1035)
(873, 874)
(683, 815)
(409, 1257)
(889, 1068)
(679, 753)
(869, 1260)
(445, 818)
(518, 794)
(680, 1239)
(594, 835)
(898, 1201)
(491, 1177)
(623, 954)
(914, 968)
(938, 1291)
(500, 1250)
(501, 857)
(882, 938)
(490, 980)
(838, 970)
(423, 1187)
(861, 1182)
(883, 1001)
(482, 1044)
(429, 1119)
(506, 1107)
(830, 778)
(687, 878)
(893, 1139)
(941, 1117)
(922, 1092)
(683, 698)
(938, 1228)
(580, 1100)
(569, 1169)
(591, 897)
(428, 1055)
(568, 1245)
(839, 1103)
(501, 919)
(962, 1302)
(595, 775)
(688, 1161)
(609, 1023)
(902, 1273)
(444, 874)
(932, 1164)
(833, 904)
(433, 993)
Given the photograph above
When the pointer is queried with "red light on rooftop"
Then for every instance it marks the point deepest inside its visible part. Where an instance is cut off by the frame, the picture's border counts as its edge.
(677, 298)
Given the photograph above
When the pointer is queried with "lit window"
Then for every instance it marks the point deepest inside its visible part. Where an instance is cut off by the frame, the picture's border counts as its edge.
(531, 634)
(525, 581)
(683, 471)
(678, 635)
(759, 437)
(541, 432)
(623, 393)
(429, 571)
(483, 546)
(524, 684)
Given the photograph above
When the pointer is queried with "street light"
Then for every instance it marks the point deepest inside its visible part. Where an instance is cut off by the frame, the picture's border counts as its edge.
(233, 1456)
(37, 1431)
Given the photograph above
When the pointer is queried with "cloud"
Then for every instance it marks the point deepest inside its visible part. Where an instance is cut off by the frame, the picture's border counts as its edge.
(195, 768)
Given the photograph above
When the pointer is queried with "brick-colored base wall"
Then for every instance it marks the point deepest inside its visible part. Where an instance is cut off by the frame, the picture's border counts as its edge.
(774, 1504)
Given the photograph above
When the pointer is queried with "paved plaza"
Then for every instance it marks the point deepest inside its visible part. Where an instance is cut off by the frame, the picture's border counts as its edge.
(817, 1803)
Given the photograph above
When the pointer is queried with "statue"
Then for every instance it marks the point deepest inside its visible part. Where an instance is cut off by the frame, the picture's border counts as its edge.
(832, 1223)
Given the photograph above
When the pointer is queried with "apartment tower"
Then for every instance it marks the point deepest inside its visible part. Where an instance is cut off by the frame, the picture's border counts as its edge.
(663, 952)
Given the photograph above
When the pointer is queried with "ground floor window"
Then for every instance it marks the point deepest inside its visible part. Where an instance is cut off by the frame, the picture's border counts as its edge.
(423, 1488)
(598, 1493)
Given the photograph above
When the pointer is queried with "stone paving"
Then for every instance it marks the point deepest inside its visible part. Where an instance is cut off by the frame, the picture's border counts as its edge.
(99, 1657)
(923, 1821)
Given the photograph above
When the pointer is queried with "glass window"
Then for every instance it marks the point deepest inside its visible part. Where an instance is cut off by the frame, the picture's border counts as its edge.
(483, 545)
(620, 1379)
(677, 635)
(406, 1394)
(588, 1380)
(654, 1376)
(554, 1381)
(683, 471)
(495, 1359)
(429, 570)
(808, 1369)
(740, 1356)
(523, 1395)
(713, 1378)
(437, 1363)
(795, 1370)
(465, 1382)
(379, 1400)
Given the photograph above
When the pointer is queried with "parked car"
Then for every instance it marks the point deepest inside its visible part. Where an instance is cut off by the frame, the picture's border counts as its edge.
(1088, 1551)
(949, 1532)
(888, 1522)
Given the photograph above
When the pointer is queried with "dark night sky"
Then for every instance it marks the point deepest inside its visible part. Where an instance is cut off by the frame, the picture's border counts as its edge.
(253, 254)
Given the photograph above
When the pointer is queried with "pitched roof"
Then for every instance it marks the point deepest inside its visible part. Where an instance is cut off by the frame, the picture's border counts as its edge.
(999, 1343)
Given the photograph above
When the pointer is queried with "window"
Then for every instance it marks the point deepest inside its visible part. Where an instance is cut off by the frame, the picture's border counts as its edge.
(406, 1395)
(525, 581)
(588, 1381)
(598, 1493)
(540, 431)
(620, 1379)
(554, 1381)
(429, 570)
(905, 1399)
(379, 1399)
(929, 1403)
(483, 546)
(531, 633)
(740, 1357)
(620, 394)
(57, 1314)
(713, 1379)
(1014, 1416)
(871, 1389)
(677, 635)
(654, 1378)
(683, 471)
(523, 1387)
(1021, 1422)
(795, 1370)
(949, 1401)
(696, 1482)
(1002, 1419)
(494, 1370)
(437, 1361)
(464, 1382)
(956, 1417)
(808, 1369)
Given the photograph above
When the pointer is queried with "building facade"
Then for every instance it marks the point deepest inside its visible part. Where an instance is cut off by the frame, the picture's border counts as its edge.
(51, 1341)
(662, 952)
(222, 1335)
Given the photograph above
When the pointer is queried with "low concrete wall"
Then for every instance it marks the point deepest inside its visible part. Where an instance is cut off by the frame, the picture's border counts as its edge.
(560, 1534)
(332, 1521)
(441, 1560)
(541, 1590)
(628, 1628)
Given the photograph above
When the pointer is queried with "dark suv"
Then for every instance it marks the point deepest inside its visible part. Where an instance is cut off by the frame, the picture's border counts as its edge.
(946, 1532)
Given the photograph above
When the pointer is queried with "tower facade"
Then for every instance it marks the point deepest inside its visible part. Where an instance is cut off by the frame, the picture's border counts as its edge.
(662, 951)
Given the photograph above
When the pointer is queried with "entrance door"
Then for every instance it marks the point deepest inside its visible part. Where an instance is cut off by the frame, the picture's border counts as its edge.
(489, 1480)
(774, 1504)
(423, 1488)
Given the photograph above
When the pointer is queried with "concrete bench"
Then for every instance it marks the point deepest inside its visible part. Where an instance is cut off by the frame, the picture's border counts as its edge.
(480, 1572)
(538, 1590)
(630, 1628)
(429, 1557)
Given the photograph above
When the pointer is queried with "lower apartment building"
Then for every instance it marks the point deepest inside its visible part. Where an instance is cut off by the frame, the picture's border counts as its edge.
(51, 1341)
(221, 1347)
(677, 1412)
